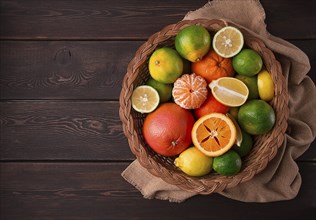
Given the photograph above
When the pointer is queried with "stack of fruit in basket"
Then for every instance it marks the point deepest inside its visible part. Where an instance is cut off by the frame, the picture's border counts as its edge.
(205, 100)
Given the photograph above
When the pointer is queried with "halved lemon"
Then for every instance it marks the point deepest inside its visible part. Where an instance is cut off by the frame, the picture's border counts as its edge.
(214, 134)
(228, 41)
(229, 91)
(145, 99)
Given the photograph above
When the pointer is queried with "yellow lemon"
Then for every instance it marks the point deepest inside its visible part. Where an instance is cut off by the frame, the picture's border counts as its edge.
(193, 162)
(145, 99)
(265, 86)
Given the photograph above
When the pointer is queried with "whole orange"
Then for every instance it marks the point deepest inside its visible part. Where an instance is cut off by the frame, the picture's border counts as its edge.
(210, 105)
(167, 130)
(213, 66)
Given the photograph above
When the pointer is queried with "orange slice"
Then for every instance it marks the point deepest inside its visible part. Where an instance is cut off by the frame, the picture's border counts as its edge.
(214, 134)
(190, 91)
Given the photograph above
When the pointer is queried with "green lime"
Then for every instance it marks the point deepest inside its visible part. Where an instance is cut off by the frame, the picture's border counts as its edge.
(164, 90)
(227, 164)
(247, 62)
(193, 162)
(256, 117)
(193, 42)
(246, 144)
(165, 65)
(251, 83)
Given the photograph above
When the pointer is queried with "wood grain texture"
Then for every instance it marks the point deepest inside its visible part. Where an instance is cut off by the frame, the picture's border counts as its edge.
(40, 20)
(75, 69)
(43, 130)
(97, 191)
(60, 130)
(63, 69)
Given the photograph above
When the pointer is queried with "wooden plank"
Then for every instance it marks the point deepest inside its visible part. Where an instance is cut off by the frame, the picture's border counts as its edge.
(63, 69)
(109, 20)
(97, 191)
(59, 130)
(42, 130)
(75, 69)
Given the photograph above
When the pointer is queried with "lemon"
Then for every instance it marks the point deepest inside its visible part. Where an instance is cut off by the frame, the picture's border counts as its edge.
(228, 41)
(227, 164)
(193, 162)
(165, 65)
(265, 86)
(193, 42)
(145, 99)
(229, 91)
(164, 90)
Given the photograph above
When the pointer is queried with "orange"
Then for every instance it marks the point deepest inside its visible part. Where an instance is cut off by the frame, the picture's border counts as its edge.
(214, 134)
(165, 65)
(213, 66)
(193, 42)
(210, 105)
(190, 91)
(167, 130)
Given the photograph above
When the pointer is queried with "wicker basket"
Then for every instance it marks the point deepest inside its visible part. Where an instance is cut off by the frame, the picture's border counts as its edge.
(265, 146)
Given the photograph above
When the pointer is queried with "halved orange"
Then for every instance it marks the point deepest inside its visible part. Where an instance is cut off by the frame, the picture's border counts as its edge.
(214, 134)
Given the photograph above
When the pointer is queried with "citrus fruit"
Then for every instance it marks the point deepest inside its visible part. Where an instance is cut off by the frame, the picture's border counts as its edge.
(165, 65)
(193, 162)
(233, 111)
(228, 41)
(229, 91)
(167, 130)
(247, 62)
(145, 99)
(214, 134)
(238, 130)
(256, 117)
(265, 86)
(251, 83)
(193, 42)
(227, 164)
(210, 105)
(190, 91)
(213, 66)
(246, 144)
(164, 90)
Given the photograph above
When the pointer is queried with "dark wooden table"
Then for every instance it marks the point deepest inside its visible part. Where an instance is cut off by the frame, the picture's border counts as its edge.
(62, 146)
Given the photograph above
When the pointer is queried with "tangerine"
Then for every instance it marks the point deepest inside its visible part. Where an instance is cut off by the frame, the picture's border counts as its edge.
(190, 91)
(213, 66)
(167, 130)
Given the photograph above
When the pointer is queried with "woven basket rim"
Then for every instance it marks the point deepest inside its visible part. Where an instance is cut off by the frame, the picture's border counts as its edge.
(160, 166)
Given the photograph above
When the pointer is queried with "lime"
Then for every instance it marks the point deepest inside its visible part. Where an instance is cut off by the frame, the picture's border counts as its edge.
(145, 99)
(229, 91)
(227, 164)
(246, 144)
(256, 117)
(194, 163)
(228, 41)
(164, 90)
(247, 62)
(251, 83)
(193, 42)
(165, 65)
(265, 86)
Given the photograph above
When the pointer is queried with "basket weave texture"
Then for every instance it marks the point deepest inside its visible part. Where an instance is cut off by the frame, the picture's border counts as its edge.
(265, 146)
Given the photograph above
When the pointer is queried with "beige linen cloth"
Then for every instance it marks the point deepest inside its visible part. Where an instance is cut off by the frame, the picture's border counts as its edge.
(281, 179)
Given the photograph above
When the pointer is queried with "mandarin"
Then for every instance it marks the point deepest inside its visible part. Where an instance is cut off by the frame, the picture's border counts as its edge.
(213, 66)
